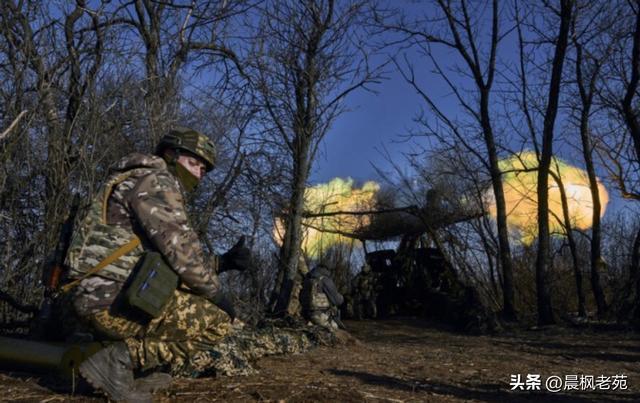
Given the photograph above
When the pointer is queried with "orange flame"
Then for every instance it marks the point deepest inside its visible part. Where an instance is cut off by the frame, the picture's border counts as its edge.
(520, 191)
(323, 231)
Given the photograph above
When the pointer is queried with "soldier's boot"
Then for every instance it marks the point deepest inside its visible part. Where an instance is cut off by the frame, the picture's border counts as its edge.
(111, 371)
(154, 382)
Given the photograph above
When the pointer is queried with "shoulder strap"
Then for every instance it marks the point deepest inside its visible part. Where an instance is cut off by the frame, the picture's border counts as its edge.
(123, 250)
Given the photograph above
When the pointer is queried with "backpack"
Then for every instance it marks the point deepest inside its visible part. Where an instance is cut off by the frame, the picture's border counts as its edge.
(312, 296)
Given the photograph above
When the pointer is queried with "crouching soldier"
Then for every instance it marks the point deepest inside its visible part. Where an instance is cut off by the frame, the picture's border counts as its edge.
(140, 277)
(320, 299)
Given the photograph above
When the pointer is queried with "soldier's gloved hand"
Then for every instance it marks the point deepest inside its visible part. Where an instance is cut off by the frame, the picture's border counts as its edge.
(237, 258)
(223, 302)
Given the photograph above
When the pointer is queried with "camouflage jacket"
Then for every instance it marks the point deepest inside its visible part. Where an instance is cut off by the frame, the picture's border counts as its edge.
(150, 204)
(367, 284)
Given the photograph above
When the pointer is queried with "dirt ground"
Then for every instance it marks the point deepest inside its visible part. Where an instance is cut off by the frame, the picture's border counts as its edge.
(406, 360)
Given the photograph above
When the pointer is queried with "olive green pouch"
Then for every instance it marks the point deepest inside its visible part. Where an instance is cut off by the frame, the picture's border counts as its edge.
(153, 283)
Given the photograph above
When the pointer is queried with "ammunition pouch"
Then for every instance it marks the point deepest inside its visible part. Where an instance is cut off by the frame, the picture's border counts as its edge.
(151, 284)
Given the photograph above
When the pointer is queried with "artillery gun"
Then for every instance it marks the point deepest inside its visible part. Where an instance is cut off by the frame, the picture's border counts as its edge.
(414, 279)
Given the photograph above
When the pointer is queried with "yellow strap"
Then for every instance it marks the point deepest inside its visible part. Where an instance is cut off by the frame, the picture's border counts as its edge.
(124, 249)
(109, 188)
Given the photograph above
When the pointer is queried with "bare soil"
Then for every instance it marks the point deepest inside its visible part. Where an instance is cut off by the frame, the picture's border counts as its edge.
(403, 360)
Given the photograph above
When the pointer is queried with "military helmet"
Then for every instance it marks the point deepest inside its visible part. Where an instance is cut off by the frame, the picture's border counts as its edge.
(182, 138)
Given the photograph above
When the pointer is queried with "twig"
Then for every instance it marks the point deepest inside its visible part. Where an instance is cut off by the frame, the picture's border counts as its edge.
(12, 125)
(368, 395)
(54, 398)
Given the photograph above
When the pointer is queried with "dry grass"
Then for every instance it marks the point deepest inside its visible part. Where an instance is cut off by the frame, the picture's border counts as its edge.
(403, 361)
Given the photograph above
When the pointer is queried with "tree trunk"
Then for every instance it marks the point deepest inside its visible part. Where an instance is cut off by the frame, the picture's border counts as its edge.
(289, 289)
(577, 271)
(629, 114)
(504, 251)
(543, 264)
(586, 95)
(596, 254)
(634, 280)
(57, 169)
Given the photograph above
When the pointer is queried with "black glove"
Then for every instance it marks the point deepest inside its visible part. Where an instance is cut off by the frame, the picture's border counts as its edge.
(223, 302)
(237, 258)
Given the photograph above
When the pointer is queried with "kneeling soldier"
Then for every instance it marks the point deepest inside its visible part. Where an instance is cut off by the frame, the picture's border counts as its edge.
(140, 275)
(320, 299)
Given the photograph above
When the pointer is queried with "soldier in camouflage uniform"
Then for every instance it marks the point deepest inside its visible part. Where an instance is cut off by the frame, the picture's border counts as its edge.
(365, 295)
(142, 208)
(320, 299)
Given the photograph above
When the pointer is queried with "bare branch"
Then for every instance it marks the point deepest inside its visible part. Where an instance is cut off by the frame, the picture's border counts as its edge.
(13, 124)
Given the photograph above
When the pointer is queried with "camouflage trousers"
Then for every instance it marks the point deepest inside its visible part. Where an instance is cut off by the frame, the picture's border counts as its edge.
(178, 340)
(236, 353)
(324, 318)
(365, 308)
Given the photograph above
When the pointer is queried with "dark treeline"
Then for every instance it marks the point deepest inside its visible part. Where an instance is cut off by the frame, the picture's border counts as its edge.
(87, 82)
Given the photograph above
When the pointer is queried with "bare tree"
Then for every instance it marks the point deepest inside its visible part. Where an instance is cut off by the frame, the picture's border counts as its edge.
(456, 27)
(543, 264)
(31, 36)
(172, 34)
(73, 74)
(308, 60)
(592, 48)
(565, 221)
(621, 151)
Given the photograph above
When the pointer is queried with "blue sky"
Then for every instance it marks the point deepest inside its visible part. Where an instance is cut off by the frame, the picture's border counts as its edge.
(374, 122)
(378, 120)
